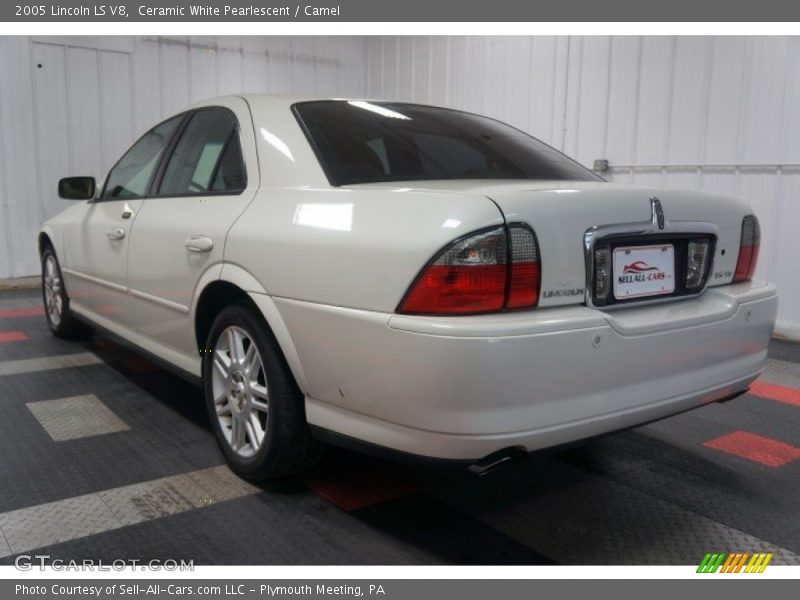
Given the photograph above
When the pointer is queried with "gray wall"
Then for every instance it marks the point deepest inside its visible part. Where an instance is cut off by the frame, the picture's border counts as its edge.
(93, 96)
(713, 113)
(716, 113)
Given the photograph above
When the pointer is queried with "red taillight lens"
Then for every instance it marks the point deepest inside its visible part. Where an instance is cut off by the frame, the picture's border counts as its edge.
(476, 275)
(748, 250)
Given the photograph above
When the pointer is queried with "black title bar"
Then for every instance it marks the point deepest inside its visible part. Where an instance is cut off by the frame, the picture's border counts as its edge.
(401, 11)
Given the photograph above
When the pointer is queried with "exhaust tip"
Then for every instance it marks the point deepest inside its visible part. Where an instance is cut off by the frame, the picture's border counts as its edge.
(495, 461)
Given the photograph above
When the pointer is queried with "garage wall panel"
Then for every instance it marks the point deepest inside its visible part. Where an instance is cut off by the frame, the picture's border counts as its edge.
(116, 109)
(791, 125)
(725, 100)
(145, 85)
(623, 99)
(6, 249)
(52, 123)
(705, 113)
(587, 139)
(689, 100)
(93, 96)
(712, 113)
(76, 102)
(19, 173)
(173, 73)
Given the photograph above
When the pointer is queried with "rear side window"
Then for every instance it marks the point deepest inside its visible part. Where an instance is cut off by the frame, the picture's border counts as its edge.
(207, 158)
(132, 174)
(361, 142)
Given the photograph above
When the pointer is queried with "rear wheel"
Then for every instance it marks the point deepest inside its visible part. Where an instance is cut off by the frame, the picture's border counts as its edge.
(255, 407)
(56, 302)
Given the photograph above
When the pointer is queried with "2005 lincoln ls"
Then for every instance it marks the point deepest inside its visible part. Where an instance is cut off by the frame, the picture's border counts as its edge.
(414, 278)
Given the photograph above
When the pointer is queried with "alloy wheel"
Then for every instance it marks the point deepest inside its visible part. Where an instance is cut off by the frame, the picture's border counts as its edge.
(241, 396)
(54, 303)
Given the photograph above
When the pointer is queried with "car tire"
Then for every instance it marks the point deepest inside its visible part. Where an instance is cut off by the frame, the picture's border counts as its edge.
(60, 318)
(255, 407)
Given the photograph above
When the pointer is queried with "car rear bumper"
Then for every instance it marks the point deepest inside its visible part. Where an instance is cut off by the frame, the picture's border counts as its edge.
(465, 387)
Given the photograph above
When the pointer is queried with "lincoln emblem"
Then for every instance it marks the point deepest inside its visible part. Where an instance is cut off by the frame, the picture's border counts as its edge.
(657, 213)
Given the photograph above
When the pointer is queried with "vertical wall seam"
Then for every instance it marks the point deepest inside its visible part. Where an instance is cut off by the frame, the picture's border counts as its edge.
(579, 87)
(608, 95)
(100, 104)
(160, 77)
(636, 103)
(68, 103)
(429, 40)
(666, 145)
(778, 204)
(5, 199)
(702, 133)
(565, 107)
(36, 144)
(743, 111)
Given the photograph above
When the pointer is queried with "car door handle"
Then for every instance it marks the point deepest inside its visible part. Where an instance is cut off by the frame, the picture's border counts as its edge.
(115, 234)
(127, 211)
(199, 243)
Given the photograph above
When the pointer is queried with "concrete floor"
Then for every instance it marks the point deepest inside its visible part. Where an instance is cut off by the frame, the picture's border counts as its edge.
(106, 456)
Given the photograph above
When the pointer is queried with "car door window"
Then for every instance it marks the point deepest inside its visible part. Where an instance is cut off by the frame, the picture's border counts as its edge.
(132, 174)
(207, 158)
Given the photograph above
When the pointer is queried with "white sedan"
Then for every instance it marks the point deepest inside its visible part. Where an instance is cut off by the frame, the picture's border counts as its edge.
(404, 277)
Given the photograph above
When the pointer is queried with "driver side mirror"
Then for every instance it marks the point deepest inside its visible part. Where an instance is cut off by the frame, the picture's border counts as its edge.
(77, 188)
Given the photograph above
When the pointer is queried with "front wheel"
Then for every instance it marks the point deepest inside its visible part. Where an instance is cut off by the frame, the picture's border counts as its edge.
(56, 302)
(254, 404)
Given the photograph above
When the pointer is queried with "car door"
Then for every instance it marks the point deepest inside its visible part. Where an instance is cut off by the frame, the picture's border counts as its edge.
(96, 246)
(204, 184)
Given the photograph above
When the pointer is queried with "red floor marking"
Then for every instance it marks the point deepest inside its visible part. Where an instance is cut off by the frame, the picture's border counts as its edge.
(763, 450)
(12, 336)
(351, 487)
(35, 311)
(776, 392)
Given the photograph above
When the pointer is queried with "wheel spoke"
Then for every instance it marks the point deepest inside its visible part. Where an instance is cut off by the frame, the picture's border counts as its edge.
(259, 405)
(237, 434)
(222, 362)
(254, 432)
(223, 404)
(235, 346)
(251, 363)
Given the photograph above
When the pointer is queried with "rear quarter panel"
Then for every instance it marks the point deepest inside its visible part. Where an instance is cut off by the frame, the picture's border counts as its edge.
(349, 247)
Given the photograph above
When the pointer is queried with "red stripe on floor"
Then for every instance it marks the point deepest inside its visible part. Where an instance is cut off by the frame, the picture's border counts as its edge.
(776, 392)
(12, 336)
(763, 450)
(35, 311)
(351, 487)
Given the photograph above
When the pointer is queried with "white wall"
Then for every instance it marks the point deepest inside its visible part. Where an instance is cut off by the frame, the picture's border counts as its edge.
(706, 113)
(714, 113)
(93, 96)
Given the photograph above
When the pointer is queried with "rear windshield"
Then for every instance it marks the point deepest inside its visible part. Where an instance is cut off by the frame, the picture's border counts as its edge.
(362, 142)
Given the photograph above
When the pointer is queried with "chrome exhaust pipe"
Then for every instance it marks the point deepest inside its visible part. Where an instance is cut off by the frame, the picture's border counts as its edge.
(495, 461)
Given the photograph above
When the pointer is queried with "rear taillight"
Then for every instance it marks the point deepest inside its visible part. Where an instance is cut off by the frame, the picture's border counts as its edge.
(697, 255)
(748, 250)
(602, 272)
(489, 271)
(523, 285)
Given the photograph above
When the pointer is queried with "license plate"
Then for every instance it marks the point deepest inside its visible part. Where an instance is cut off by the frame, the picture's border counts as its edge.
(641, 271)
